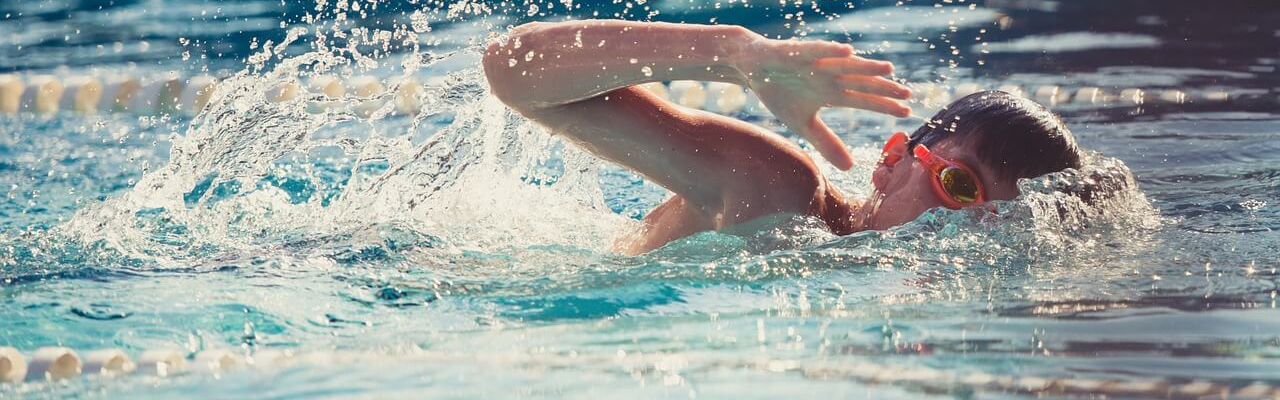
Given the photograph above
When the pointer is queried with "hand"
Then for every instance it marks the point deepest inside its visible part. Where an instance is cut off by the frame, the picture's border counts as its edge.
(794, 79)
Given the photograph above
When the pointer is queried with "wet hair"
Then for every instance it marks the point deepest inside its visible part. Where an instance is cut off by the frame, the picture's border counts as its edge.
(1015, 137)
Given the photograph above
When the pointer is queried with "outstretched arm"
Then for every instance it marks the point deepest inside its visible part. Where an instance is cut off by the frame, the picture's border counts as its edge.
(575, 78)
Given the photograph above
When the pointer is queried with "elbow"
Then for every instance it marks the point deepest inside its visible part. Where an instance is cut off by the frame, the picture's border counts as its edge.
(497, 73)
(504, 78)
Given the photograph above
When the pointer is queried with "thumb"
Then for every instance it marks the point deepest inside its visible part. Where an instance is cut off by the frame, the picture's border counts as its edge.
(827, 143)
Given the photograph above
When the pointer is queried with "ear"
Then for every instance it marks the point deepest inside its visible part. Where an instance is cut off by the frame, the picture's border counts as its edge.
(894, 150)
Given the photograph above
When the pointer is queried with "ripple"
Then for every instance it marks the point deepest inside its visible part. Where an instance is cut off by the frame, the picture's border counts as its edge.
(1073, 41)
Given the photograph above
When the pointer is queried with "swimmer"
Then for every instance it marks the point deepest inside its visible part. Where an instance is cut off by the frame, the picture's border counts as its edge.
(579, 80)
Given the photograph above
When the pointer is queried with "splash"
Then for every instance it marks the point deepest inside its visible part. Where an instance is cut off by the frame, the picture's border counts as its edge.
(250, 174)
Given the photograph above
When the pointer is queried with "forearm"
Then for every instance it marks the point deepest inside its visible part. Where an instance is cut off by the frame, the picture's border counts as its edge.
(543, 65)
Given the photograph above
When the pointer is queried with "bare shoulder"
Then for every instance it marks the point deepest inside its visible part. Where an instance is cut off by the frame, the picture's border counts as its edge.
(768, 174)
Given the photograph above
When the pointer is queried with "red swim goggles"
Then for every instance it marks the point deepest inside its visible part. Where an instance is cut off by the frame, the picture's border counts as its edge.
(953, 182)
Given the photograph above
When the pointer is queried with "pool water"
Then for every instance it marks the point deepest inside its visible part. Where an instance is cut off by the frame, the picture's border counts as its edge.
(464, 253)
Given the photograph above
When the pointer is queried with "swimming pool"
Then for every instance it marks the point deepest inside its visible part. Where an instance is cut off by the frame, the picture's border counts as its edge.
(461, 254)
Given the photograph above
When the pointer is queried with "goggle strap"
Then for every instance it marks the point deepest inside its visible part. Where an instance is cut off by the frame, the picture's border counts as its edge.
(888, 156)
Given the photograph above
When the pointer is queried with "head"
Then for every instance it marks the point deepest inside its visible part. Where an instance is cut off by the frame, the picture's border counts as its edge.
(974, 151)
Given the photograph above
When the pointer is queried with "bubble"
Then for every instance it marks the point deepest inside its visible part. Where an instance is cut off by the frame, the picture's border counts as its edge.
(418, 20)
(646, 71)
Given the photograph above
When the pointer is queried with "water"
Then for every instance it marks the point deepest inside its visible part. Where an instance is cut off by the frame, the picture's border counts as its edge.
(464, 253)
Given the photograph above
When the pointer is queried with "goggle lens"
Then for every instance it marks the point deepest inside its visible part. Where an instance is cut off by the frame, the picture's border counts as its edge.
(959, 184)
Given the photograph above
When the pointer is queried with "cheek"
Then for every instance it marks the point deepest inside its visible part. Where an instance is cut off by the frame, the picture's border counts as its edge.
(905, 202)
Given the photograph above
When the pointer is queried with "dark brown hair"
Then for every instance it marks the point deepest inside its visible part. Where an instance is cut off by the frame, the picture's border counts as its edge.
(1015, 137)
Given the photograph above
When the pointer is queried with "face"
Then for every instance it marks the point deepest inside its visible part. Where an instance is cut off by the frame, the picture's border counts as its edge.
(906, 188)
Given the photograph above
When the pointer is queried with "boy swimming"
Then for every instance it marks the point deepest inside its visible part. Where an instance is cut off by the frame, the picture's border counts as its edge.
(578, 79)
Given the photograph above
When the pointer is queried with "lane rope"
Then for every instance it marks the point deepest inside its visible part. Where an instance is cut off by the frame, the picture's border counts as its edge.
(52, 364)
(173, 95)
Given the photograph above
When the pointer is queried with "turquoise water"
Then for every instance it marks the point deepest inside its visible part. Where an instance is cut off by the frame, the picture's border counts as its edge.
(464, 253)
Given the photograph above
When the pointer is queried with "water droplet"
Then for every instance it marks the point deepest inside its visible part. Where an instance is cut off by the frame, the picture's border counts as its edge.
(511, 62)
(633, 60)
(646, 70)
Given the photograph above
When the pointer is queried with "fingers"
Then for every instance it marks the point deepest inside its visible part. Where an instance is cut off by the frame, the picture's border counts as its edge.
(872, 102)
(874, 85)
(827, 143)
(818, 50)
(854, 65)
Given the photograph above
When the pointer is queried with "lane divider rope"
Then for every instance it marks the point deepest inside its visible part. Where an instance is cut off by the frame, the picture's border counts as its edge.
(173, 95)
(49, 364)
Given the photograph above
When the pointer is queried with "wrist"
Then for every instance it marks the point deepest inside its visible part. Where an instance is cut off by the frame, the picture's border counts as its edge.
(745, 47)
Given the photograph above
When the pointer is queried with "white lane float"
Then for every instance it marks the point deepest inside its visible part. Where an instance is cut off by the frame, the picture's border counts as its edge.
(1048, 95)
(329, 85)
(922, 92)
(170, 94)
(688, 93)
(967, 88)
(81, 94)
(283, 92)
(216, 360)
(1133, 96)
(53, 364)
(1217, 96)
(56, 363)
(366, 87)
(1172, 96)
(195, 94)
(118, 92)
(11, 88)
(269, 358)
(1011, 89)
(156, 96)
(1088, 95)
(107, 362)
(41, 95)
(161, 362)
(658, 89)
(934, 95)
(407, 91)
(724, 98)
(753, 105)
(13, 367)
